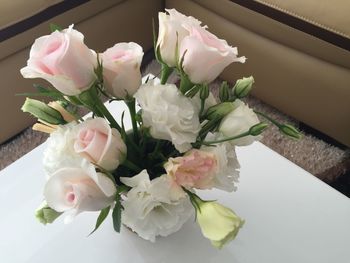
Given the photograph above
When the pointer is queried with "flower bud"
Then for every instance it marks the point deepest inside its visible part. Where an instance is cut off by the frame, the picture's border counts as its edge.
(243, 87)
(218, 223)
(219, 111)
(43, 112)
(290, 131)
(204, 92)
(224, 92)
(45, 214)
(67, 116)
(258, 128)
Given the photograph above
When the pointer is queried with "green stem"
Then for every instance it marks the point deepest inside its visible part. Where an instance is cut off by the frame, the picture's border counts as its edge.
(102, 108)
(131, 166)
(247, 133)
(195, 199)
(185, 84)
(132, 110)
(201, 109)
(165, 73)
(92, 101)
(268, 118)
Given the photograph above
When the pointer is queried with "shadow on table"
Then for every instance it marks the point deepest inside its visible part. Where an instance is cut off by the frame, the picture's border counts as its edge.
(186, 245)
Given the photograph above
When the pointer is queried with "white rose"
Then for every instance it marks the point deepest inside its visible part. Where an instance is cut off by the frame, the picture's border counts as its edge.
(154, 208)
(227, 165)
(96, 141)
(78, 188)
(169, 114)
(206, 55)
(239, 121)
(64, 60)
(171, 31)
(121, 69)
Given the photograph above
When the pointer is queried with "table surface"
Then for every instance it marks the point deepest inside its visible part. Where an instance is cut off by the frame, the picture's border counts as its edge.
(291, 216)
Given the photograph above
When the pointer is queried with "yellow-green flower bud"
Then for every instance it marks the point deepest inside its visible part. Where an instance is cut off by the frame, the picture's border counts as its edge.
(45, 214)
(42, 111)
(243, 87)
(258, 128)
(224, 92)
(218, 223)
(219, 111)
(290, 131)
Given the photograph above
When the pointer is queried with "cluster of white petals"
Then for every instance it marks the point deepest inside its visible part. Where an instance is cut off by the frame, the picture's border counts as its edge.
(155, 207)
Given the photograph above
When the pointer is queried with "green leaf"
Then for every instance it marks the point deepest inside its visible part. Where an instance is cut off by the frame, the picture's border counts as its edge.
(117, 214)
(102, 216)
(44, 92)
(54, 27)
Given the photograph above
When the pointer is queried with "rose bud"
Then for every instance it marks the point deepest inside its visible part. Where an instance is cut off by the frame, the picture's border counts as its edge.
(64, 60)
(100, 144)
(121, 69)
(206, 55)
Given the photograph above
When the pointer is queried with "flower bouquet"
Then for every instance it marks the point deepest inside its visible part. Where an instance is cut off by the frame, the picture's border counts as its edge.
(182, 138)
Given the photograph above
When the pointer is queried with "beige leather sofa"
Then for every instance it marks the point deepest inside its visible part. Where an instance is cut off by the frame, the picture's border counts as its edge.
(298, 51)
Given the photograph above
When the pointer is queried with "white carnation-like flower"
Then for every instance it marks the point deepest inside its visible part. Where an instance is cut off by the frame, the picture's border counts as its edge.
(227, 172)
(169, 114)
(154, 208)
(60, 151)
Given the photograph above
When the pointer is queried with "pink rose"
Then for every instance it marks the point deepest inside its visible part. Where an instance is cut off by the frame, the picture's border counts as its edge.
(206, 55)
(100, 144)
(172, 29)
(121, 69)
(77, 189)
(64, 60)
(196, 169)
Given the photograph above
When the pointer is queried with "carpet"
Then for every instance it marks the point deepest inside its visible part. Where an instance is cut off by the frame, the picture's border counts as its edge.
(328, 162)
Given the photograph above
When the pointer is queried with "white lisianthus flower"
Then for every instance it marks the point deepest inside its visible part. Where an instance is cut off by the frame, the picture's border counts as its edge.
(169, 114)
(239, 121)
(227, 165)
(60, 151)
(154, 208)
(78, 188)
